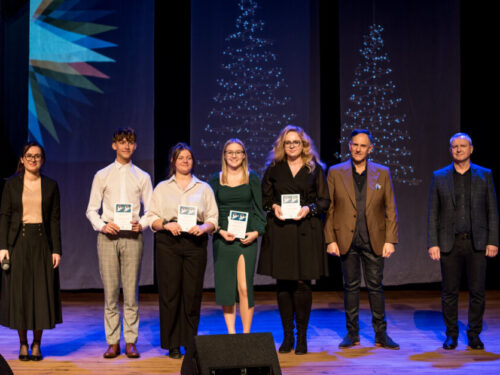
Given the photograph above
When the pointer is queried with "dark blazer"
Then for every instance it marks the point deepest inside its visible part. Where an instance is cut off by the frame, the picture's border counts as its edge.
(381, 213)
(483, 206)
(11, 212)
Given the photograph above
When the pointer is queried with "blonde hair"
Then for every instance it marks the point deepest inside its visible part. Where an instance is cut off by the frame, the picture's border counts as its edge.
(309, 154)
(244, 164)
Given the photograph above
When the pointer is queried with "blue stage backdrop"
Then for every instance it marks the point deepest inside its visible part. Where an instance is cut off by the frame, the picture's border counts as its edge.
(90, 72)
(254, 69)
(400, 78)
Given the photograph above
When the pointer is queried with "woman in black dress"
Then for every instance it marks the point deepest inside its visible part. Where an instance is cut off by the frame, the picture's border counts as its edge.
(293, 250)
(30, 238)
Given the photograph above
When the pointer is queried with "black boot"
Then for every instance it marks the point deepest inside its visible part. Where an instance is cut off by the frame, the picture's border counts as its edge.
(285, 305)
(302, 299)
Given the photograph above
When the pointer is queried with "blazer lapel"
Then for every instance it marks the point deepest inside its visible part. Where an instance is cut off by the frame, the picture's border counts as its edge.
(449, 180)
(349, 181)
(44, 193)
(19, 191)
(372, 174)
(474, 180)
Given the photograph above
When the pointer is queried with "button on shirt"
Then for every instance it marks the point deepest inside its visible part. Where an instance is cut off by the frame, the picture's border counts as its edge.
(167, 196)
(461, 185)
(119, 183)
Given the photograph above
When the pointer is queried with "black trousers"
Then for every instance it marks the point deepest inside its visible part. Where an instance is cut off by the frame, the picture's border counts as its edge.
(180, 268)
(452, 264)
(373, 270)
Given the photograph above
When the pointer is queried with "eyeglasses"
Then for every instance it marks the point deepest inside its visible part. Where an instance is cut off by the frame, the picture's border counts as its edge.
(31, 157)
(295, 143)
(234, 153)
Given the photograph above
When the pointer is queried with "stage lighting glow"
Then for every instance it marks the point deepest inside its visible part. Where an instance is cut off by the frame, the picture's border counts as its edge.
(374, 105)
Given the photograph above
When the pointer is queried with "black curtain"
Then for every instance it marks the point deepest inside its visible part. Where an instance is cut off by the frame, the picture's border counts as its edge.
(172, 83)
(479, 109)
(14, 53)
(172, 79)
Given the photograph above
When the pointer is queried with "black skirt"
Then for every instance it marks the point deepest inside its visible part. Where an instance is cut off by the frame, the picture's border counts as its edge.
(30, 289)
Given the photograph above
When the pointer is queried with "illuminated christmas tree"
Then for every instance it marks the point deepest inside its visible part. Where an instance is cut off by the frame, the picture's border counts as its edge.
(251, 103)
(374, 106)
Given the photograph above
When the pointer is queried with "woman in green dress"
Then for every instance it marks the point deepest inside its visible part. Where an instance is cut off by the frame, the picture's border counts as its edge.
(238, 189)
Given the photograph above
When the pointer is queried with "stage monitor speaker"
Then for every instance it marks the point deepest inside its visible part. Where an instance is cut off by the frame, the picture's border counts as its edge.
(240, 354)
(4, 367)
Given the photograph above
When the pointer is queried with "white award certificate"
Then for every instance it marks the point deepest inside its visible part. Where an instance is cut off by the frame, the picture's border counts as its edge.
(186, 217)
(237, 223)
(290, 205)
(123, 216)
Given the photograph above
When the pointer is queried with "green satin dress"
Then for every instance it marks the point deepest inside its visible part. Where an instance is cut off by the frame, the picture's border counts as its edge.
(247, 198)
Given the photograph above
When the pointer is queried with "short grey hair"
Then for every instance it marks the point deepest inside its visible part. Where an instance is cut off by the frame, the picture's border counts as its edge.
(461, 135)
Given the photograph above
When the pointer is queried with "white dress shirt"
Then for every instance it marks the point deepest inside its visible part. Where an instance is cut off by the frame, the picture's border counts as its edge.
(119, 183)
(167, 196)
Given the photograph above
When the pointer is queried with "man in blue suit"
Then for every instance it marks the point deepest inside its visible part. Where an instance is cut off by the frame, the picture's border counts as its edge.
(462, 231)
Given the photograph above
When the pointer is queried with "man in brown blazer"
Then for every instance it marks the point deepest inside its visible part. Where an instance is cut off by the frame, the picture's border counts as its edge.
(362, 228)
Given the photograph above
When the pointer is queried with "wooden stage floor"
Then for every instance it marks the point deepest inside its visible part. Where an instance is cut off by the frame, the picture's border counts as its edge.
(414, 321)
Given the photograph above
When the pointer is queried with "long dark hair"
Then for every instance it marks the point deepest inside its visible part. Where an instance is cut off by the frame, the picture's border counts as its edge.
(174, 154)
(26, 147)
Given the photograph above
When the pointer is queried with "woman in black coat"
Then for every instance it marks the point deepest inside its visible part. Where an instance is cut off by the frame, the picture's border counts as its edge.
(30, 238)
(293, 250)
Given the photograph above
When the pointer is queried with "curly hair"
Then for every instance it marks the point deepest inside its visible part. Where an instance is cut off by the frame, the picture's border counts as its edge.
(244, 164)
(309, 154)
(125, 133)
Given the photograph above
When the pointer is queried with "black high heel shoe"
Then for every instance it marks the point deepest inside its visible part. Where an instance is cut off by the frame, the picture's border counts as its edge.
(36, 357)
(24, 357)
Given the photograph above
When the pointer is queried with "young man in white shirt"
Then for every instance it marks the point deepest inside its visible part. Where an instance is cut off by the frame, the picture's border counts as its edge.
(120, 249)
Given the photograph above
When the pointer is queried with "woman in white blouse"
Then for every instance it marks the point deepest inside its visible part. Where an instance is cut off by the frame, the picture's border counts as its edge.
(181, 248)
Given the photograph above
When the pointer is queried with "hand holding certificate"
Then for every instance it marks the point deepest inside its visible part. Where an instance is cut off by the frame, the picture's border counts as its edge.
(290, 205)
(123, 216)
(237, 223)
(186, 217)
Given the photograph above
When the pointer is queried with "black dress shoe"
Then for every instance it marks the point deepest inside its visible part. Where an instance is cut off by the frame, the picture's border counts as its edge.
(450, 343)
(349, 341)
(384, 341)
(22, 356)
(175, 353)
(474, 342)
(36, 353)
(288, 344)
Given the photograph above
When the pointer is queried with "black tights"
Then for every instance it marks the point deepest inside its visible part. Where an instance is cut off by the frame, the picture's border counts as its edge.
(294, 301)
(23, 335)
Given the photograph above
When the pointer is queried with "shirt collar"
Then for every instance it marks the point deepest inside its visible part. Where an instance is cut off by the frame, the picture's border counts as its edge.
(354, 169)
(119, 166)
(467, 172)
(194, 180)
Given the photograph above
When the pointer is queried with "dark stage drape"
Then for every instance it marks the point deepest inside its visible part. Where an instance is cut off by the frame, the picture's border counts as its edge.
(14, 52)
(97, 65)
(254, 69)
(400, 78)
(90, 72)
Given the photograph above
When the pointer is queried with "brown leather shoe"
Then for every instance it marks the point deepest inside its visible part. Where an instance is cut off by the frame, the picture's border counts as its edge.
(131, 351)
(113, 351)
